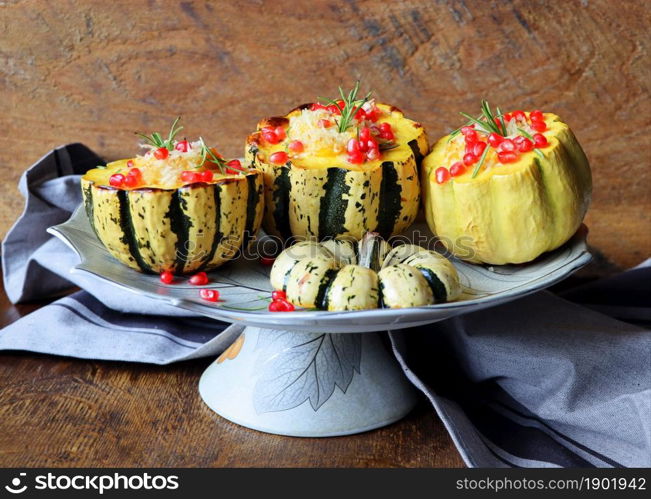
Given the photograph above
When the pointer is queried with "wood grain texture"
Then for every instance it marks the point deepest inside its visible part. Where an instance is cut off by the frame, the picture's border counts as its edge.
(66, 412)
(95, 71)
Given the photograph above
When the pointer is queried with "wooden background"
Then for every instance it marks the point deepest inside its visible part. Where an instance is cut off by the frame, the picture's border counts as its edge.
(95, 71)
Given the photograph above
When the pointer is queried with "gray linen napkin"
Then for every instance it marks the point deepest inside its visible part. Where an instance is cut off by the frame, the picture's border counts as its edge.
(541, 382)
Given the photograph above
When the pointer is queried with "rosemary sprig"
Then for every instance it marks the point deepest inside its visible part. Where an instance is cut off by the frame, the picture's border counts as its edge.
(501, 118)
(530, 137)
(480, 162)
(351, 105)
(486, 127)
(156, 140)
(207, 154)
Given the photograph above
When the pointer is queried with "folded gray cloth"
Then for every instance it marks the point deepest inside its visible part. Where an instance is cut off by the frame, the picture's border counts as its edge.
(542, 382)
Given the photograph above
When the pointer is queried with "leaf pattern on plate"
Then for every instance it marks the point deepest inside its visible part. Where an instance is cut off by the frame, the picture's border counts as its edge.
(294, 367)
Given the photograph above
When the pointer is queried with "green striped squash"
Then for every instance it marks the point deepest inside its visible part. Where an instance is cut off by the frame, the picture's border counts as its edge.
(316, 275)
(325, 197)
(190, 228)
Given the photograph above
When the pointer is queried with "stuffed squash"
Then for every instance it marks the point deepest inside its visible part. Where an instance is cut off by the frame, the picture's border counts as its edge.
(340, 275)
(506, 188)
(177, 208)
(339, 169)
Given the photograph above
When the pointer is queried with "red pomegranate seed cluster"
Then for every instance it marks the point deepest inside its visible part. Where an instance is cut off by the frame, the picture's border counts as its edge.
(279, 302)
(273, 135)
(193, 177)
(132, 179)
(508, 149)
(198, 279)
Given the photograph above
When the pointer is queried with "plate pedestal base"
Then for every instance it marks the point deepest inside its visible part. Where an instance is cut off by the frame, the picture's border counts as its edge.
(307, 384)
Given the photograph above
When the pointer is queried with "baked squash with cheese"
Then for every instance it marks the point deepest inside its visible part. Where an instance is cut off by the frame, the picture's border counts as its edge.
(179, 207)
(339, 170)
(341, 274)
(506, 188)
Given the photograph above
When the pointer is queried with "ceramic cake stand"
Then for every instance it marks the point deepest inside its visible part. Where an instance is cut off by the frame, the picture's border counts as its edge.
(313, 373)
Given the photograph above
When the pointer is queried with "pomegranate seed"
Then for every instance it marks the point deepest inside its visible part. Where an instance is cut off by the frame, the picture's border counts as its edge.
(267, 260)
(166, 277)
(161, 153)
(525, 145)
(353, 146)
(373, 154)
(275, 306)
(540, 140)
(498, 123)
(387, 135)
(385, 127)
(478, 148)
(135, 172)
(182, 145)
(457, 169)
(280, 133)
(279, 158)
(507, 156)
(373, 114)
(131, 181)
(234, 166)
(442, 175)
(285, 306)
(324, 123)
(471, 137)
(199, 279)
(341, 103)
(206, 176)
(506, 145)
(372, 143)
(209, 294)
(364, 134)
(465, 130)
(332, 109)
(296, 146)
(360, 114)
(507, 117)
(316, 106)
(356, 158)
(130, 163)
(269, 135)
(116, 180)
(536, 115)
(190, 177)
(538, 126)
(494, 139)
(519, 115)
(469, 159)
(278, 295)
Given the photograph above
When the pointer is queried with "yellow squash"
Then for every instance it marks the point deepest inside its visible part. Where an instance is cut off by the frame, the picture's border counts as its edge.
(509, 213)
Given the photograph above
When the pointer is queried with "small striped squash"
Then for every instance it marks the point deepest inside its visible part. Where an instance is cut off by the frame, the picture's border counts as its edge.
(184, 229)
(341, 275)
(320, 195)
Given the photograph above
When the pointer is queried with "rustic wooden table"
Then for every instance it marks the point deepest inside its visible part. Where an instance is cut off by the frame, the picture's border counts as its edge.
(97, 71)
(66, 412)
